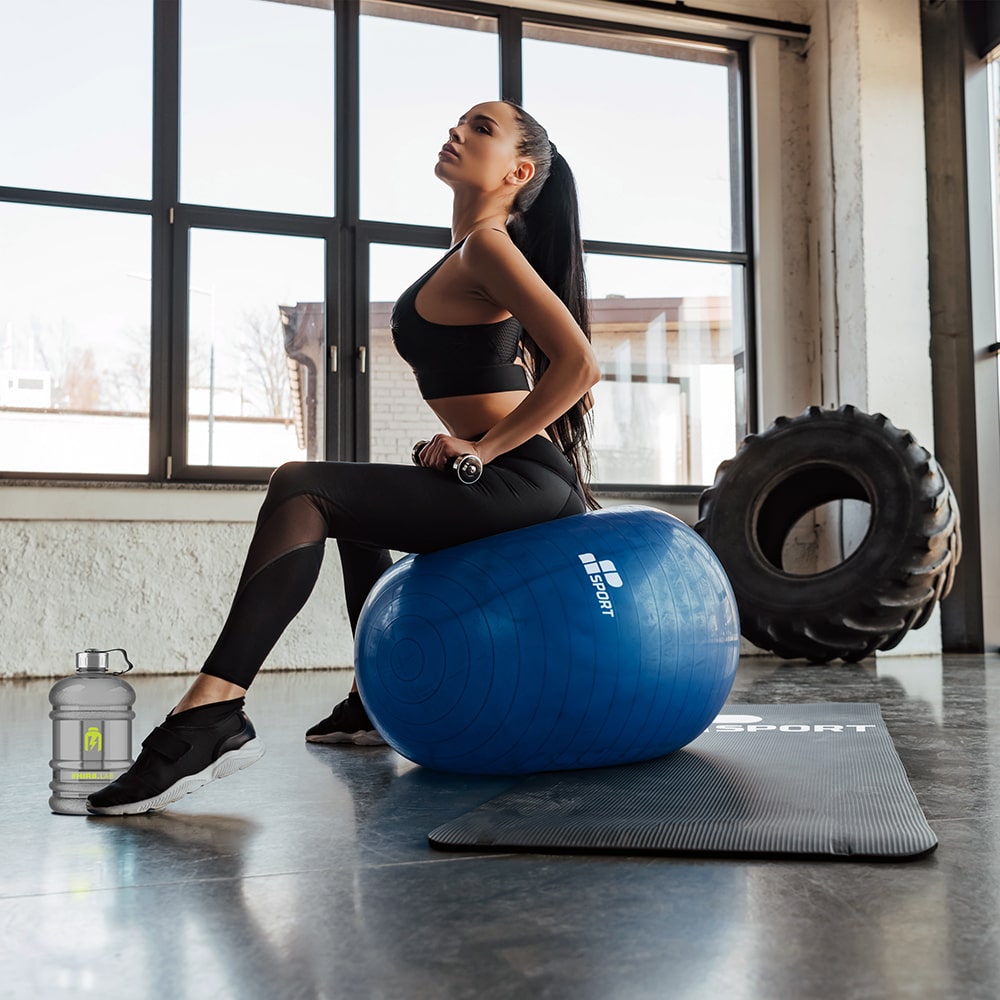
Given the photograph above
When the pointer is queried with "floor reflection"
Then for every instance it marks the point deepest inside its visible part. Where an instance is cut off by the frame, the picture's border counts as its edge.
(309, 875)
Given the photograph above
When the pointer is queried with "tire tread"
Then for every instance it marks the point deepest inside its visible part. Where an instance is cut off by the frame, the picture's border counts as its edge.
(877, 612)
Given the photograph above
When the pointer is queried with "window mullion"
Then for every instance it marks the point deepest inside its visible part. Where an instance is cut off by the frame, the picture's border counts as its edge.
(346, 398)
(511, 77)
(166, 83)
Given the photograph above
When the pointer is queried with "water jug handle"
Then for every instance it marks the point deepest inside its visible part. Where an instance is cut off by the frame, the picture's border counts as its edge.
(117, 649)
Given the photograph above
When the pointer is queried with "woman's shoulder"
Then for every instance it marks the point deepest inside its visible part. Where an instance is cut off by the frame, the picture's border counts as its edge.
(490, 249)
(498, 270)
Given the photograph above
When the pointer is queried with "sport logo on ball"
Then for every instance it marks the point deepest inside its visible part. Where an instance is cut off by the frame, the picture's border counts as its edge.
(602, 574)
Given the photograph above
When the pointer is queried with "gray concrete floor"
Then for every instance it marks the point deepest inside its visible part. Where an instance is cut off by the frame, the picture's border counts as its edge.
(309, 875)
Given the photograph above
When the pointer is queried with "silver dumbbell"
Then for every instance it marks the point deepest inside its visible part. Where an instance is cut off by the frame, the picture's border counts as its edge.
(468, 468)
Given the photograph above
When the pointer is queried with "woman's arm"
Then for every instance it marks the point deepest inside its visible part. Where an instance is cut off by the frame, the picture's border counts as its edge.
(499, 270)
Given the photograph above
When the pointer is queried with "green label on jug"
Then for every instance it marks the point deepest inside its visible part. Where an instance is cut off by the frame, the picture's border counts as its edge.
(92, 742)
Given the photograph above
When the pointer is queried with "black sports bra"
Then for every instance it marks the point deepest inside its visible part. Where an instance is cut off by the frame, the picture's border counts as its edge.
(451, 360)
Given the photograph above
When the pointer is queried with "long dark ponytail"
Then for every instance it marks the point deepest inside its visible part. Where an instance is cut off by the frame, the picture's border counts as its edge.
(545, 226)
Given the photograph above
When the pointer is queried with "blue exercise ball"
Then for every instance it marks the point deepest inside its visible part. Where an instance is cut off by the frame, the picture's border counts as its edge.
(605, 638)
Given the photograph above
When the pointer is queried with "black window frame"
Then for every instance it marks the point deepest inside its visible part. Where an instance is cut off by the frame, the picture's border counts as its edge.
(348, 238)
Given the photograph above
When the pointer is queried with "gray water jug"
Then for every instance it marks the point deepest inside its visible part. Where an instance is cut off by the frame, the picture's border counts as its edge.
(91, 730)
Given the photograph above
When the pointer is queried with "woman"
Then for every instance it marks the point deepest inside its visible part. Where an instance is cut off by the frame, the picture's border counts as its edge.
(508, 299)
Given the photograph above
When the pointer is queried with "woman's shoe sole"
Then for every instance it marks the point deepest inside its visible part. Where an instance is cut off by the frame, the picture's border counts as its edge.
(362, 738)
(229, 763)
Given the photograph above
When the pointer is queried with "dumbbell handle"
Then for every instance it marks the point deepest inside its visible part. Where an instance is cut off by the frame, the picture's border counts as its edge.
(468, 468)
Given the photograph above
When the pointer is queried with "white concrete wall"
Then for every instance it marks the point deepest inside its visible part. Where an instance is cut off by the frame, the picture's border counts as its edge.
(882, 353)
(787, 330)
(160, 588)
(868, 209)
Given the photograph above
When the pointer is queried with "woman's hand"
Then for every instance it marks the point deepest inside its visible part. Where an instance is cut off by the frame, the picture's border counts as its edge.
(442, 450)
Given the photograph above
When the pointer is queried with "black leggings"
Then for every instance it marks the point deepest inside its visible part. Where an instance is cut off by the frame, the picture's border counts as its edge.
(370, 509)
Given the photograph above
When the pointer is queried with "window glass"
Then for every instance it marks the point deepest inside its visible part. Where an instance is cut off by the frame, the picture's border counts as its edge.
(257, 103)
(669, 337)
(399, 415)
(74, 341)
(256, 349)
(76, 85)
(421, 69)
(647, 127)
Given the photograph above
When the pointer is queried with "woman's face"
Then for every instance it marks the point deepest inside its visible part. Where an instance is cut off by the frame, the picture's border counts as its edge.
(481, 150)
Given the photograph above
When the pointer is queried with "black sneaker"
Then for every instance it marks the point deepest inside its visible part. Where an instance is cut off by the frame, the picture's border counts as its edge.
(188, 750)
(347, 723)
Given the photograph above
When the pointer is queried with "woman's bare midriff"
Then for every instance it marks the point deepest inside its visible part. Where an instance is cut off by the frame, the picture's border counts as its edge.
(470, 417)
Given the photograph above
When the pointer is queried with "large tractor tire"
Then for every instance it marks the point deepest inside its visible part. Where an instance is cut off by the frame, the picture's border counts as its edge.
(903, 566)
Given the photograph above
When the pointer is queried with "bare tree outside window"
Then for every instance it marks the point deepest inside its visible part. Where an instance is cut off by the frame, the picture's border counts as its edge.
(262, 348)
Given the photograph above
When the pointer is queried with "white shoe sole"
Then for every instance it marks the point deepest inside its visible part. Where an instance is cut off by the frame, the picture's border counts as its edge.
(229, 763)
(362, 738)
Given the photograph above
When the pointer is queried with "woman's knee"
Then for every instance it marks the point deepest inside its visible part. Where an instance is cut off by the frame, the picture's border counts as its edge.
(289, 480)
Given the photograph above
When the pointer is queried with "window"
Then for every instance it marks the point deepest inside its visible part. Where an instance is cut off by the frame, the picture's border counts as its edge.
(77, 86)
(420, 68)
(648, 125)
(74, 325)
(199, 288)
(668, 335)
(74, 341)
(255, 349)
(651, 128)
(399, 416)
(257, 106)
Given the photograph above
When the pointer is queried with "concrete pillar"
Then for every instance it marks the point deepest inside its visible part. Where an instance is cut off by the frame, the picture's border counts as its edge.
(870, 207)
(882, 344)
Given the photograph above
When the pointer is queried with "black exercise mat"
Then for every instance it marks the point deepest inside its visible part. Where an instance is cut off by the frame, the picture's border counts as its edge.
(821, 780)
